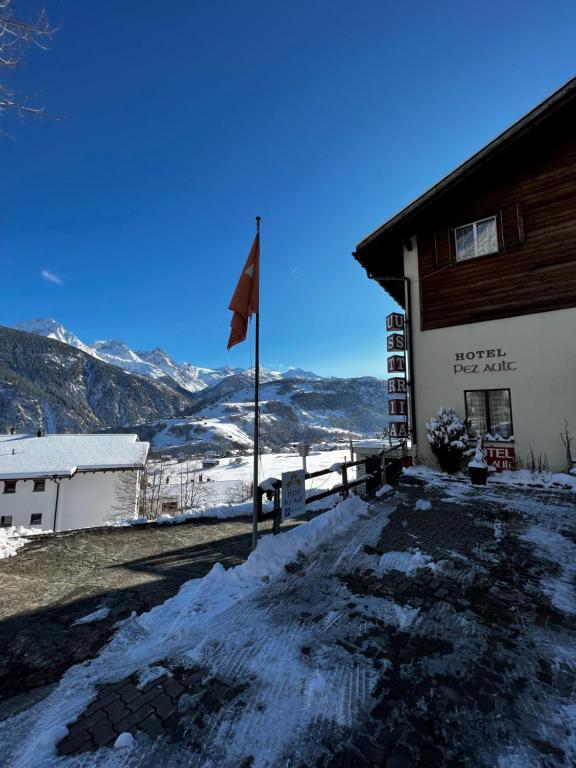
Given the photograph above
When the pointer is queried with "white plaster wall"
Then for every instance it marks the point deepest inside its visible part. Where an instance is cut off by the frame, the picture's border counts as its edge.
(88, 500)
(25, 502)
(542, 349)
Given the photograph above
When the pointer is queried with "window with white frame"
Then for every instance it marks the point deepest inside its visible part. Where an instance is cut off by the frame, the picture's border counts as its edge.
(476, 239)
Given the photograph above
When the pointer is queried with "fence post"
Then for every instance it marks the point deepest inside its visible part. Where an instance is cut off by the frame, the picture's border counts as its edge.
(383, 468)
(259, 503)
(345, 481)
(277, 511)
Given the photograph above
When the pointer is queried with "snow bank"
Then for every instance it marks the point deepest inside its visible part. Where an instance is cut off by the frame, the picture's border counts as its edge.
(13, 538)
(176, 626)
(519, 477)
(200, 599)
(525, 477)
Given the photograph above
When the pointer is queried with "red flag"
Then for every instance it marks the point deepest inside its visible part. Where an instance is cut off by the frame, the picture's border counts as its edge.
(245, 300)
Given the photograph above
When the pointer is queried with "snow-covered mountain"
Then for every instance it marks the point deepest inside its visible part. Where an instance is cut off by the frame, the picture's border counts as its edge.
(155, 364)
(54, 330)
(290, 410)
(48, 382)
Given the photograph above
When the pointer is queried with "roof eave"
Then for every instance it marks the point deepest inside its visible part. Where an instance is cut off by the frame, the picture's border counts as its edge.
(518, 129)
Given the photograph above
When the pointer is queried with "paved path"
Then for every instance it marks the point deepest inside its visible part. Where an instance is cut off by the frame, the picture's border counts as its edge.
(355, 659)
(56, 580)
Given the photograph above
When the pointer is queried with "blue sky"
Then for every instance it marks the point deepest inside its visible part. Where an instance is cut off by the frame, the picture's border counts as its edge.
(181, 122)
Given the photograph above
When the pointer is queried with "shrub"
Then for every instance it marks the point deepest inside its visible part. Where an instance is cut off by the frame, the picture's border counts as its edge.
(448, 437)
(238, 493)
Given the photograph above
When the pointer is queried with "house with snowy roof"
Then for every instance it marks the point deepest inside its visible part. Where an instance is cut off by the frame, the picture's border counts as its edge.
(483, 266)
(63, 482)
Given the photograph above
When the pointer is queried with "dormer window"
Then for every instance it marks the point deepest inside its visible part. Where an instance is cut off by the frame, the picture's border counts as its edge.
(476, 239)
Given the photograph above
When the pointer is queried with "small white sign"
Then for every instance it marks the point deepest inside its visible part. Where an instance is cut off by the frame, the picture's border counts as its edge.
(293, 494)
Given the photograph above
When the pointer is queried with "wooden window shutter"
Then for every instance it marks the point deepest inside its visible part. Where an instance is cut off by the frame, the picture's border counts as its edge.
(443, 248)
(511, 225)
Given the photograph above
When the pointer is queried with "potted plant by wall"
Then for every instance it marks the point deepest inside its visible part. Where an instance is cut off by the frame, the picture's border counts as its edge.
(477, 467)
(447, 436)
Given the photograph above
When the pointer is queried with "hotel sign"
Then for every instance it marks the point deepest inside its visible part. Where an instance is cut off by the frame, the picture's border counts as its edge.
(500, 456)
(483, 361)
(397, 404)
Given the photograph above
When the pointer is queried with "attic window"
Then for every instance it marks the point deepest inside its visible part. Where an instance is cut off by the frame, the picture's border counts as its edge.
(39, 485)
(476, 239)
(9, 486)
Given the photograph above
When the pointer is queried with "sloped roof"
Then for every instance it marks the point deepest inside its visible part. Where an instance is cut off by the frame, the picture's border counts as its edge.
(28, 456)
(537, 115)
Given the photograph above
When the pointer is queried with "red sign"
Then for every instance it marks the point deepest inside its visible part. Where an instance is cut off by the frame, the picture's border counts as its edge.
(396, 364)
(399, 429)
(395, 342)
(395, 322)
(501, 456)
(396, 386)
(397, 408)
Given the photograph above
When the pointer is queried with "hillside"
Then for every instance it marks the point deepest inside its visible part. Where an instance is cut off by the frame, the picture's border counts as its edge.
(49, 384)
(290, 411)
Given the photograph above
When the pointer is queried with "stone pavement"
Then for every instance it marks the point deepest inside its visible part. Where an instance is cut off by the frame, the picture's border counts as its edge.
(466, 660)
(56, 580)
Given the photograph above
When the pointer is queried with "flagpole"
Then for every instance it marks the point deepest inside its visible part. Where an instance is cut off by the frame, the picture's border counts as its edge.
(256, 410)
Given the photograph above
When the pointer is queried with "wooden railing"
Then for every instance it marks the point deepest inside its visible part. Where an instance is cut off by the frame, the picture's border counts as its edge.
(376, 470)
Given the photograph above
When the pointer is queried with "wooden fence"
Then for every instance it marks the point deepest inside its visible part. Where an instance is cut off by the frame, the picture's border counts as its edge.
(377, 469)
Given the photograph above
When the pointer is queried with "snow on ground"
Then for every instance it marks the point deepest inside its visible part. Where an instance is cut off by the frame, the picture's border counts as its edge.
(518, 477)
(98, 615)
(559, 551)
(423, 505)
(190, 626)
(407, 562)
(222, 479)
(13, 538)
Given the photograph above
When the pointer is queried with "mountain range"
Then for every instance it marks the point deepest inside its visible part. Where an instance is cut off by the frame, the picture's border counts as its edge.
(50, 379)
(155, 364)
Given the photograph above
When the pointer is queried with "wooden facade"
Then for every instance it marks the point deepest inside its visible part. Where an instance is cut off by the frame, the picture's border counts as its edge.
(528, 183)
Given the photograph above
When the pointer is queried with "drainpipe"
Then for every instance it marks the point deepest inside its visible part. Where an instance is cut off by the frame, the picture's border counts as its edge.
(56, 505)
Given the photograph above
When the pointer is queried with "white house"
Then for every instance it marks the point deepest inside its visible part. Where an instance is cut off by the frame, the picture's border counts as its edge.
(62, 482)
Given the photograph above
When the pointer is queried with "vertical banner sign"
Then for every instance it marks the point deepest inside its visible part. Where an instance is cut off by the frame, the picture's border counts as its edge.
(397, 404)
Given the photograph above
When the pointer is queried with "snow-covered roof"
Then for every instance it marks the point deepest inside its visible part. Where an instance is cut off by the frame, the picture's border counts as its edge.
(29, 456)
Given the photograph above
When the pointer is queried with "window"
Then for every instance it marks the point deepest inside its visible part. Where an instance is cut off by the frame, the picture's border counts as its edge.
(5, 521)
(9, 486)
(477, 239)
(39, 486)
(489, 413)
(35, 519)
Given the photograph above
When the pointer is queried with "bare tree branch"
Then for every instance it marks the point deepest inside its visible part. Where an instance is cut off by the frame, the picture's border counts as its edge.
(16, 37)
